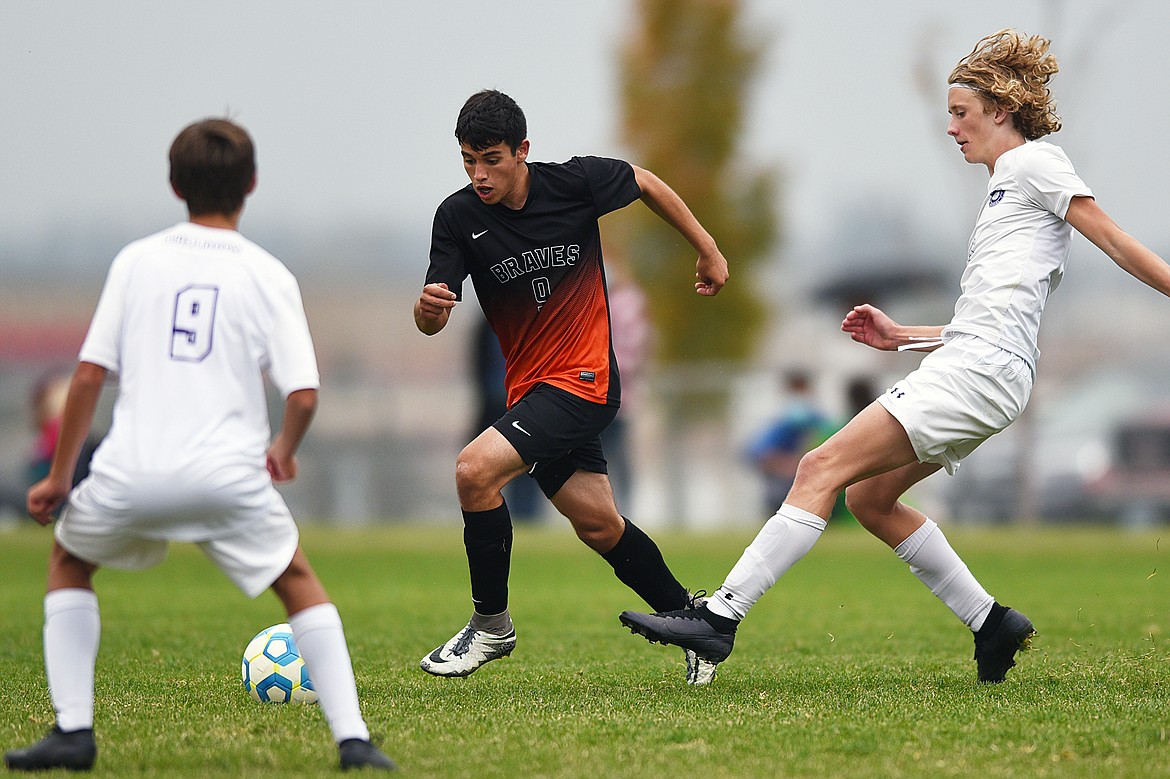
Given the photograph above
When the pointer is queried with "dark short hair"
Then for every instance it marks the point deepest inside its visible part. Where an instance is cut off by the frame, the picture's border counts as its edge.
(213, 165)
(490, 117)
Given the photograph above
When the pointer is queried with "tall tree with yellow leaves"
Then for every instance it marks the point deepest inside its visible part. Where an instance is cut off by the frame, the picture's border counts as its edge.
(687, 67)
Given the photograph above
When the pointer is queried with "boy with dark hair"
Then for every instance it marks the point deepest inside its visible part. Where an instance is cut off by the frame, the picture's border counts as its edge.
(189, 318)
(527, 234)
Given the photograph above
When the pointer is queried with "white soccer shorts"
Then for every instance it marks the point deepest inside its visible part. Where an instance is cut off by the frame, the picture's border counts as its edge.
(963, 393)
(252, 547)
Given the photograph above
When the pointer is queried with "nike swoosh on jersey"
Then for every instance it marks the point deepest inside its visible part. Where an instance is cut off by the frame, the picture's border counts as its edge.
(475, 236)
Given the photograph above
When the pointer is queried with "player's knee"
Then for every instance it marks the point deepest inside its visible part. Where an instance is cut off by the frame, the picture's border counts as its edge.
(600, 540)
(298, 587)
(867, 505)
(599, 533)
(68, 571)
(473, 478)
(856, 502)
(297, 568)
(819, 471)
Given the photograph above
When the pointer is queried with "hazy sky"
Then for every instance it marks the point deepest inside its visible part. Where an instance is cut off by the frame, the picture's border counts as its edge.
(352, 105)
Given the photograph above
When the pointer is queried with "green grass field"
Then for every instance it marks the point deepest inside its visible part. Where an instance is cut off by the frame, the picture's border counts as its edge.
(848, 667)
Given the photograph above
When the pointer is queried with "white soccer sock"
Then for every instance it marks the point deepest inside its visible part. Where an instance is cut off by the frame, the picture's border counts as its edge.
(933, 561)
(72, 631)
(321, 639)
(784, 539)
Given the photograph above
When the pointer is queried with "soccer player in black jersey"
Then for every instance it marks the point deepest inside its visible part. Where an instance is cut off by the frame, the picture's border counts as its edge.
(527, 235)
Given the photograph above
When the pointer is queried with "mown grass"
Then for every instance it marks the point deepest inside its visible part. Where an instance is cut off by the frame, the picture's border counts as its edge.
(847, 668)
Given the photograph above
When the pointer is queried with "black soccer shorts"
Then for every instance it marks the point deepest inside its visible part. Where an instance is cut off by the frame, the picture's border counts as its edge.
(556, 433)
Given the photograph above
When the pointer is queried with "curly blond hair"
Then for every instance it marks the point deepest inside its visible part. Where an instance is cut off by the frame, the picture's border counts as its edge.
(1011, 71)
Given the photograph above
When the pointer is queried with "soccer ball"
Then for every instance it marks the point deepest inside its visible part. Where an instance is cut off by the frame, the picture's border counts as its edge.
(273, 671)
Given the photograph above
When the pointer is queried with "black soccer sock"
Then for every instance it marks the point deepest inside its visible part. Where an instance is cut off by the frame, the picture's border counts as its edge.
(639, 565)
(487, 535)
(993, 619)
(718, 621)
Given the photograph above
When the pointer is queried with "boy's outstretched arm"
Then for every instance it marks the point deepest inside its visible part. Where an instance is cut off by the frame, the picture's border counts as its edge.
(711, 267)
(1088, 219)
(871, 326)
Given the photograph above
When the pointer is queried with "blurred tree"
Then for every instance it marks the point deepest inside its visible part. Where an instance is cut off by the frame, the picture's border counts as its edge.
(687, 66)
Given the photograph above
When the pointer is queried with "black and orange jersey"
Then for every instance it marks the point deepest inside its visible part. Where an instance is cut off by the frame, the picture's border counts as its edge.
(538, 273)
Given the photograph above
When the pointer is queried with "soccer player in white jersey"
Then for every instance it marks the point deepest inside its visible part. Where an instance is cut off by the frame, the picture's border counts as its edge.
(975, 381)
(189, 318)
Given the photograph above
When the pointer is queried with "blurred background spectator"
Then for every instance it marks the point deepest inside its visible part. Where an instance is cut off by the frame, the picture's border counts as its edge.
(46, 410)
(777, 450)
(632, 336)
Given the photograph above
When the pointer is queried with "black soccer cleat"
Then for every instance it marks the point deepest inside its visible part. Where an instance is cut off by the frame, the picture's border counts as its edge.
(359, 753)
(1005, 633)
(684, 628)
(73, 751)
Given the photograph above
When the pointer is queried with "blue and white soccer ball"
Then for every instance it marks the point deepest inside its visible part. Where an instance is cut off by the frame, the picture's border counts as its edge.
(273, 671)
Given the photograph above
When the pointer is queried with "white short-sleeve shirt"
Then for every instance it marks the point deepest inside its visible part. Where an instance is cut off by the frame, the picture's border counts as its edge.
(1018, 248)
(190, 318)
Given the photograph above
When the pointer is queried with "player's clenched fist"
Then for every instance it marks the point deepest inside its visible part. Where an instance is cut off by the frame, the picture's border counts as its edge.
(711, 272)
(433, 308)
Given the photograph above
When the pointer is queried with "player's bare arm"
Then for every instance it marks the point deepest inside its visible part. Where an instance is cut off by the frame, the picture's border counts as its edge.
(433, 308)
(84, 391)
(1088, 219)
(299, 408)
(711, 267)
(871, 326)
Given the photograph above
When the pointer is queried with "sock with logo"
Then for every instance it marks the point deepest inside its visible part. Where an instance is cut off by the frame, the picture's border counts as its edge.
(638, 563)
(718, 621)
(71, 634)
(496, 624)
(321, 639)
(487, 536)
(784, 539)
(936, 565)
